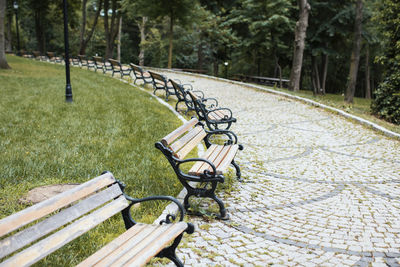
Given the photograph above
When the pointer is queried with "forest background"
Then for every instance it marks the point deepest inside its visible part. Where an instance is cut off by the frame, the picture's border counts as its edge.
(350, 47)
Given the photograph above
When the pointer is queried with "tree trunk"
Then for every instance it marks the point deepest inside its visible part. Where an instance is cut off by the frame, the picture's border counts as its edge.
(367, 74)
(83, 42)
(142, 27)
(299, 40)
(119, 40)
(215, 67)
(200, 55)
(111, 30)
(355, 55)
(9, 35)
(171, 32)
(39, 28)
(3, 60)
(315, 76)
(324, 73)
(83, 29)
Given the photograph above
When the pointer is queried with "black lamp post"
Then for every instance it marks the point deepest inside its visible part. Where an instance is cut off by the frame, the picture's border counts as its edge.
(16, 24)
(226, 69)
(68, 88)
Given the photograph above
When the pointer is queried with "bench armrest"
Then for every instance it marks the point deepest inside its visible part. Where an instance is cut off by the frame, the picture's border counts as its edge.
(208, 176)
(189, 87)
(215, 104)
(231, 136)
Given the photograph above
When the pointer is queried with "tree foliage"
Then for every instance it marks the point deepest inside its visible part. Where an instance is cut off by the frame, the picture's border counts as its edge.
(387, 96)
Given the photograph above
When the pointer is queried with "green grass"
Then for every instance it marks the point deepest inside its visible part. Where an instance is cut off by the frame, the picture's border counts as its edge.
(360, 107)
(109, 126)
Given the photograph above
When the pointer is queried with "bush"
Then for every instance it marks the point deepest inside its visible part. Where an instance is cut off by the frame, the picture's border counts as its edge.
(387, 99)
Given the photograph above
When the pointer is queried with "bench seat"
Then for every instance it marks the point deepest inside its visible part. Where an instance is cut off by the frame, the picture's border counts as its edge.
(136, 246)
(220, 156)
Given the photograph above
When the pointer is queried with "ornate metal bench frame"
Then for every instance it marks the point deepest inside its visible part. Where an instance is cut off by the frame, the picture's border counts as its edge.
(203, 111)
(209, 180)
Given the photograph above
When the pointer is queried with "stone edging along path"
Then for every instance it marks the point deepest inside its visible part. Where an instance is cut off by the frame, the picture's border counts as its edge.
(302, 99)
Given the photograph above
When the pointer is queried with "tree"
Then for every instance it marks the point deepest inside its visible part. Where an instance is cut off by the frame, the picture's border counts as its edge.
(178, 11)
(111, 26)
(83, 41)
(3, 60)
(299, 43)
(355, 55)
(387, 96)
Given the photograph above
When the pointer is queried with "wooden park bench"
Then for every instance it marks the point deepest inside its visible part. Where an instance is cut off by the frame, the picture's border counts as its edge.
(140, 74)
(182, 95)
(100, 64)
(53, 58)
(160, 82)
(38, 56)
(35, 232)
(73, 60)
(85, 62)
(118, 68)
(25, 54)
(213, 117)
(207, 170)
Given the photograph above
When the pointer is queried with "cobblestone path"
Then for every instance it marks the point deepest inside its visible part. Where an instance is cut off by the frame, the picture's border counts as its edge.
(319, 190)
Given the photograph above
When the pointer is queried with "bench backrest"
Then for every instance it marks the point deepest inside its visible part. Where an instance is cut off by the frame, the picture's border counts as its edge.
(179, 90)
(114, 63)
(61, 219)
(182, 140)
(138, 71)
(82, 58)
(199, 107)
(159, 78)
(98, 60)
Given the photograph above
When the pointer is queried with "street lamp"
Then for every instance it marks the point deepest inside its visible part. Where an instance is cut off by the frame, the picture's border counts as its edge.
(68, 88)
(226, 69)
(16, 24)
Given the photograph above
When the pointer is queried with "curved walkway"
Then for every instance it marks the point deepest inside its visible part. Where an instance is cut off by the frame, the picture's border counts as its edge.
(319, 190)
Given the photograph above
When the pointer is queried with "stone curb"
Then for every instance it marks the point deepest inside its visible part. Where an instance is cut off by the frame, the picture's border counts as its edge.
(298, 98)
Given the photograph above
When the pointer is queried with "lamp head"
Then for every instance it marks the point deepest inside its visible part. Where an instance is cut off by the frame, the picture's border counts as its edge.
(15, 4)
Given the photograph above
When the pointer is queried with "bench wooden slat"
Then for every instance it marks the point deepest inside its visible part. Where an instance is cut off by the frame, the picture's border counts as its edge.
(53, 242)
(112, 246)
(136, 244)
(211, 157)
(178, 132)
(50, 205)
(156, 245)
(186, 138)
(197, 166)
(191, 144)
(130, 242)
(228, 158)
(23, 238)
(218, 159)
(213, 116)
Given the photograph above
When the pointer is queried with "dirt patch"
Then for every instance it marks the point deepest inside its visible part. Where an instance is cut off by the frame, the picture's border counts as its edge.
(41, 193)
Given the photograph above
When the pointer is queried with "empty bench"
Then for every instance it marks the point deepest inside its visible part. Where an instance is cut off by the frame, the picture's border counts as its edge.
(140, 74)
(118, 68)
(215, 118)
(182, 95)
(207, 170)
(66, 216)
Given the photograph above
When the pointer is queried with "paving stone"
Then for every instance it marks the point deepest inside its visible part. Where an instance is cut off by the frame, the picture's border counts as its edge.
(319, 190)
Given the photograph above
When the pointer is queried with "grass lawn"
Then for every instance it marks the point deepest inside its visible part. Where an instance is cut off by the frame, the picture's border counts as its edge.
(360, 107)
(109, 126)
